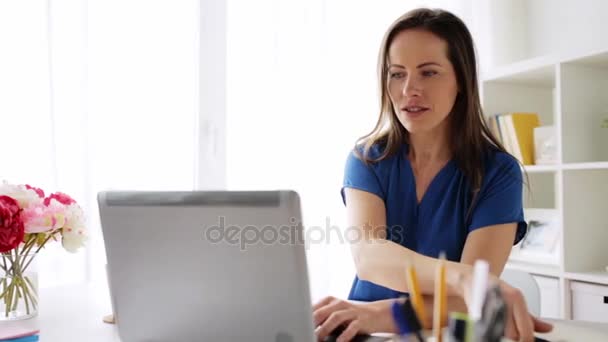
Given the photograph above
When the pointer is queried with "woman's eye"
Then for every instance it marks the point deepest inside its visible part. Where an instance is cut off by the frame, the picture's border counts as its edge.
(397, 75)
(429, 73)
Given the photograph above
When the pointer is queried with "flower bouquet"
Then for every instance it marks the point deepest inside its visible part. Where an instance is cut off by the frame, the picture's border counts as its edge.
(28, 221)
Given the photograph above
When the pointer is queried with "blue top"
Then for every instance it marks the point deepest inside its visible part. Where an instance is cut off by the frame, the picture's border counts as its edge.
(439, 222)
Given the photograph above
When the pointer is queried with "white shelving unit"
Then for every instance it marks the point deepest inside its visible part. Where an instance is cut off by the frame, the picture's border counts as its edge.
(571, 93)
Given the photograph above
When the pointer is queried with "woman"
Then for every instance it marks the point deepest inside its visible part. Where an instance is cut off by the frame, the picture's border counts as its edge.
(430, 177)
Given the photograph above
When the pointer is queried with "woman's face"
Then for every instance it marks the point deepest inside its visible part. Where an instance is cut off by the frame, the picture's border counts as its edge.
(421, 80)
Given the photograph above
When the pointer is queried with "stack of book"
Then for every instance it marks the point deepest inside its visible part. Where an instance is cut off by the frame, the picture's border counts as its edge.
(516, 132)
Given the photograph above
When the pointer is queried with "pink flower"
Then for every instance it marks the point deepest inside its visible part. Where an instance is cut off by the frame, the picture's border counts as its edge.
(11, 224)
(42, 218)
(39, 191)
(60, 197)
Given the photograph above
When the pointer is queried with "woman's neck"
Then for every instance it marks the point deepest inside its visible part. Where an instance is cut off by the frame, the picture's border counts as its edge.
(430, 147)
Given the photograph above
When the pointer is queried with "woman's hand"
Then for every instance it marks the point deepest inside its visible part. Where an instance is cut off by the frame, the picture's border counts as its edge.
(520, 325)
(332, 313)
(366, 318)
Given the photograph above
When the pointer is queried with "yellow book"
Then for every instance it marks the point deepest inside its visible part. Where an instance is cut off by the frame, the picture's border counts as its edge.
(524, 124)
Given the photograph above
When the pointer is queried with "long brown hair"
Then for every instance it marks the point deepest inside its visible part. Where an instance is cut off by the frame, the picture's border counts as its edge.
(470, 138)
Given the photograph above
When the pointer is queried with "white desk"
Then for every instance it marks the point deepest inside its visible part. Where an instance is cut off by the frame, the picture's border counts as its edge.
(74, 314)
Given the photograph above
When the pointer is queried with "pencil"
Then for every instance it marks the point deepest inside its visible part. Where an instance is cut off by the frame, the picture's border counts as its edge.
(440, 298)
(414, 290)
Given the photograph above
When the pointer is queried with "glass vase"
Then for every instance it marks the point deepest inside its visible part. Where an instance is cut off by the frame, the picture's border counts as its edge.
(18, 285)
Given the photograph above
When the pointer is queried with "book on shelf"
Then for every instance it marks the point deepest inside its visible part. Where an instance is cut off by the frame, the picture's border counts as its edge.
(516, 133)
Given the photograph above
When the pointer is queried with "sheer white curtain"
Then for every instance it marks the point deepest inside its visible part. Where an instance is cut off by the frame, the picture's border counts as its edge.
(41, 145)
(97, 95)
(301, 88)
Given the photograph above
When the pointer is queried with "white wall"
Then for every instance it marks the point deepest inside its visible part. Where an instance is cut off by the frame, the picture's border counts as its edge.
(510, 30)
(567, 26)
(499, 28)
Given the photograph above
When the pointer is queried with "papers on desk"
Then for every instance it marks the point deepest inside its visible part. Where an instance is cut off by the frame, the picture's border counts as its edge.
(30, 338)
(18, 334)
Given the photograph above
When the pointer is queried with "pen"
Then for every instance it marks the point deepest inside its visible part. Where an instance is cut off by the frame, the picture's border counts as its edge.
(459, 328)
(406, 321)
(414, 290)
(480, 287)
(440, 298)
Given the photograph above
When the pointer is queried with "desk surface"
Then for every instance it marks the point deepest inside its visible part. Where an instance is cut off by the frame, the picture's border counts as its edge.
(74, 314)
(70, 314)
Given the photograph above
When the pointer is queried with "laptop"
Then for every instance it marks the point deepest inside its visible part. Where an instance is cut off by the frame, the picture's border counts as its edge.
(207, 266)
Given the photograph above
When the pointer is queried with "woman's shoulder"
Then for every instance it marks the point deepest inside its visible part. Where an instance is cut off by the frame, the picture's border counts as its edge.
(501, 159)
(373, 154)
(369, 169)
(501, 163)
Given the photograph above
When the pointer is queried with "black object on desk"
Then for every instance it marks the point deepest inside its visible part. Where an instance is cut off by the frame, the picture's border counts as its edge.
(333, 336)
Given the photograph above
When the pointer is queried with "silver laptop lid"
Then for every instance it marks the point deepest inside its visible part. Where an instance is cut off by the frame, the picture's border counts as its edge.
(207, 266)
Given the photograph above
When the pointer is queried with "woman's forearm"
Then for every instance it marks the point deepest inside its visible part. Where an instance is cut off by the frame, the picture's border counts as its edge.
(383, 262)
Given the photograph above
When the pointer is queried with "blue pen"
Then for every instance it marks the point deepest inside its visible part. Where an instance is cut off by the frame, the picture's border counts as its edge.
(406, 320)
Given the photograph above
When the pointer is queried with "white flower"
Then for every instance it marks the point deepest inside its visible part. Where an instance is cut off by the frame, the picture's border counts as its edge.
(24, 196)
(74, 232)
